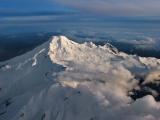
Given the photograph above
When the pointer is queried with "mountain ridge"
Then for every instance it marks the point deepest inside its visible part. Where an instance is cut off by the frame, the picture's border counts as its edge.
(65, 80)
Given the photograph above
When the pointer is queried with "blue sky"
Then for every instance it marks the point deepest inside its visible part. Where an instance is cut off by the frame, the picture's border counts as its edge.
(20, 6)
(102, 7)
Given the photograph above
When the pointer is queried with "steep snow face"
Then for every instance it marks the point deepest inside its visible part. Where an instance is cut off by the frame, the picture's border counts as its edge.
(65, 80)
(24, 77)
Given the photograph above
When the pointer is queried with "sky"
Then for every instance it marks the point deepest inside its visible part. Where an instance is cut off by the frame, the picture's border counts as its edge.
(101, 7)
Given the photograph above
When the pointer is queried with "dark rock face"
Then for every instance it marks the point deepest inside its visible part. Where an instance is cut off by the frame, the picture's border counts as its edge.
(147, 89)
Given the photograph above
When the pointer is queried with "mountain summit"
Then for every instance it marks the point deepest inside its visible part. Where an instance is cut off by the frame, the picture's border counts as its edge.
(65, 80)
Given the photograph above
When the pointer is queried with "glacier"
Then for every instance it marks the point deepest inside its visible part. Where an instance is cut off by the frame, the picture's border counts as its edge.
(65, 80)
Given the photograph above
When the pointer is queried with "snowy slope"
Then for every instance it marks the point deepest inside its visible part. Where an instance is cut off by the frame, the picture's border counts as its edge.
(64, 80)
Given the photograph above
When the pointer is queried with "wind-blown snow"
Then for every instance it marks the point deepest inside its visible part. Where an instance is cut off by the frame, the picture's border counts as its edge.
(65, 80)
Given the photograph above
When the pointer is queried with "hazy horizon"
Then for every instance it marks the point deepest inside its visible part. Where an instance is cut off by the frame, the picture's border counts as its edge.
(97, 7)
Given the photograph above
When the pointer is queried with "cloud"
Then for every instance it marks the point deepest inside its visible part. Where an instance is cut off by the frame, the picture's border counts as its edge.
(114, 7)
(104, 7)
(141, 42)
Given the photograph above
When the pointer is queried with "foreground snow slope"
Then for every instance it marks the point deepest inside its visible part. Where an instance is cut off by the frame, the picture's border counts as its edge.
(64, 80)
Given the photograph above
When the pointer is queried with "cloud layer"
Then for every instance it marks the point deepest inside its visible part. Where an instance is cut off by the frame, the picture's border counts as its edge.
(114, 7)
(104, 7)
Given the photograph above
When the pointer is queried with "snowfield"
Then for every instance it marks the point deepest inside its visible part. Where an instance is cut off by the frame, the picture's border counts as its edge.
(65, 80)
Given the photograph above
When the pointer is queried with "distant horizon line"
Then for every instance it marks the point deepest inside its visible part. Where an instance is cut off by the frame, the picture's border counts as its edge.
(57, 12)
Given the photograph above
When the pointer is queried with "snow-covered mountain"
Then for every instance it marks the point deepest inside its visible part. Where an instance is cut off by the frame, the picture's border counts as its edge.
(65, 80)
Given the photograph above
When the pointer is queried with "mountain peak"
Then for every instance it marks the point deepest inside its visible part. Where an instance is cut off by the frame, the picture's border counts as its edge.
(62, 79)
